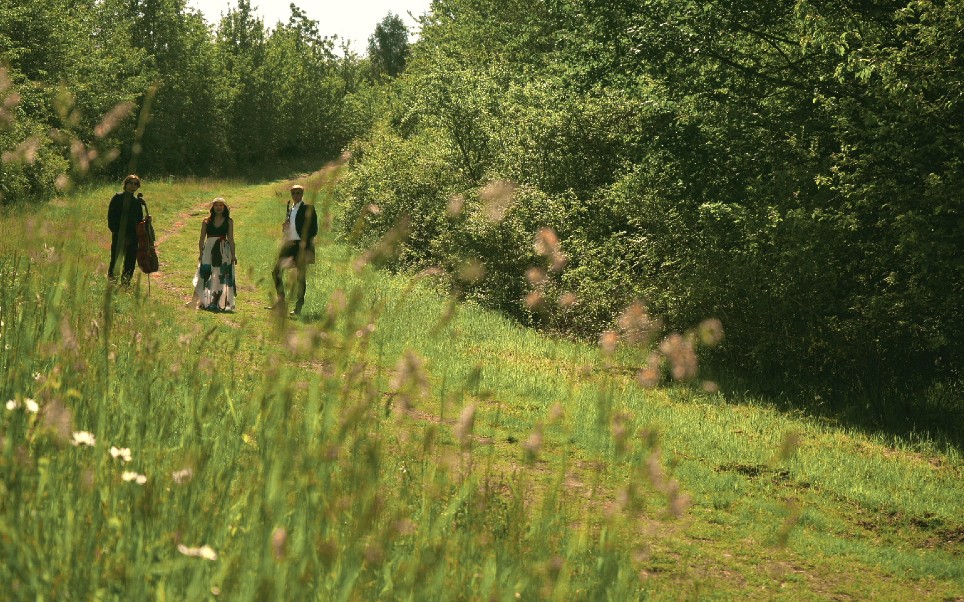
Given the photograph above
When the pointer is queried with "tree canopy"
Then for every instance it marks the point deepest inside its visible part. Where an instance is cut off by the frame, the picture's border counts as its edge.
(793, 170)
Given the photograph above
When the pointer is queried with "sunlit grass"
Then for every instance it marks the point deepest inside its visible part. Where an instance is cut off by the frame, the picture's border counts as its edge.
(339, 456)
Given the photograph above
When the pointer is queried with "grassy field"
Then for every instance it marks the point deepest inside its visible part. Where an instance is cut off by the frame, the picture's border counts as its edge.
(393, 444)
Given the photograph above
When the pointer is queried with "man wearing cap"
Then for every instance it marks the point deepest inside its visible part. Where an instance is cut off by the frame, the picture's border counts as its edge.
(298, 249)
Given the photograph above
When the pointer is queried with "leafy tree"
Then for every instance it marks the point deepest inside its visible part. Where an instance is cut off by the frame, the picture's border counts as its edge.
(388, 46)
(792, 169)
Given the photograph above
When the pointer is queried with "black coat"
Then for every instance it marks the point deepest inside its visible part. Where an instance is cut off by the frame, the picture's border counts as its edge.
(123, 215)
(306, 223)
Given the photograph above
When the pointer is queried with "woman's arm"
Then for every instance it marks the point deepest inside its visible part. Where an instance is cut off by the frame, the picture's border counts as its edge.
(234, 249)
(200, 243)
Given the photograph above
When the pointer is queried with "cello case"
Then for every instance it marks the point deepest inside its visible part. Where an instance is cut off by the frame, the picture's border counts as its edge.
(146, 253)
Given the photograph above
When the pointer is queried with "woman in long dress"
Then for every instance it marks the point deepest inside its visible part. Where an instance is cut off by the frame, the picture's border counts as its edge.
(214, 287)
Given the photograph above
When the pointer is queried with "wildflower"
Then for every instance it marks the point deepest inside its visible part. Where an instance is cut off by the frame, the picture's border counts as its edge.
(31, 405)
(129, 476)
(84, 438)
(206, 552)
(182, 476)
(123, 453)
(13, 404)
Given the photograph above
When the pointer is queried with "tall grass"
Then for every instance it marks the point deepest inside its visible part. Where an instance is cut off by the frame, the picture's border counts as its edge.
(387, 448)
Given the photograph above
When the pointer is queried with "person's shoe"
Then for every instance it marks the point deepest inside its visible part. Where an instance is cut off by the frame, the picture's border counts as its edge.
(296, 311)
(277, 306)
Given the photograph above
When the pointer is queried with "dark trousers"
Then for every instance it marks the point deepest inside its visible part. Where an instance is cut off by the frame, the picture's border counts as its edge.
(128, 246)
(291, 250)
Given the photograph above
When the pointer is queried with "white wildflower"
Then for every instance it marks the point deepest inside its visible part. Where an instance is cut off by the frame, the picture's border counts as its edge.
(31, 405)
(13, 404)
(84, 438)
(36, 376)
(129, 476)
(206, 552)
(124, 453)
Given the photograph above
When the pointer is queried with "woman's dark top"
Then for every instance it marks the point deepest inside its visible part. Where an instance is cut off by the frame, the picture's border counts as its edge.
(217, 231)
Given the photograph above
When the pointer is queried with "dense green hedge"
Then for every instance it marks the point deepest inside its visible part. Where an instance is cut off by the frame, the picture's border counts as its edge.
(793, 170)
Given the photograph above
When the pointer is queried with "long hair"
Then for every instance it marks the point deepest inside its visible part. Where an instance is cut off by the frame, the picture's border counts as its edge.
(227, 210)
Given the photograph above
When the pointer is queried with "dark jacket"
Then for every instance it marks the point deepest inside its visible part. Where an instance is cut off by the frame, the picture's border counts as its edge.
(123, 215)
(306, 223)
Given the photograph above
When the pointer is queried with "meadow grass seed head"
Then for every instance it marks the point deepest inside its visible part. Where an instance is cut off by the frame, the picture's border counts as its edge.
(608, 341)
(182, 476)
(710, 331)
(535, 301)
(789, 445)
(533, 445)
(648, 376)
(58, 419)
(567, 300)
(404, 527)
(635, 324)
(710, 387)
(279, 538)
(455, 205)
(621, 427)
(25, 152)
(681, 355)
(113, 118)
(472, 271)
(677, 502)
(496, 197)
(463, 427)
(536, 276)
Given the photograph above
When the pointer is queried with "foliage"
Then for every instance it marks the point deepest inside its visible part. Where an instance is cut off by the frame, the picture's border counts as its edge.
(388, 46)
(106, 88)
(791, 169)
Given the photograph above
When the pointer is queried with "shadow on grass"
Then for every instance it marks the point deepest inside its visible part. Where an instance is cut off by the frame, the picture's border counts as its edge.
(935, 417)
